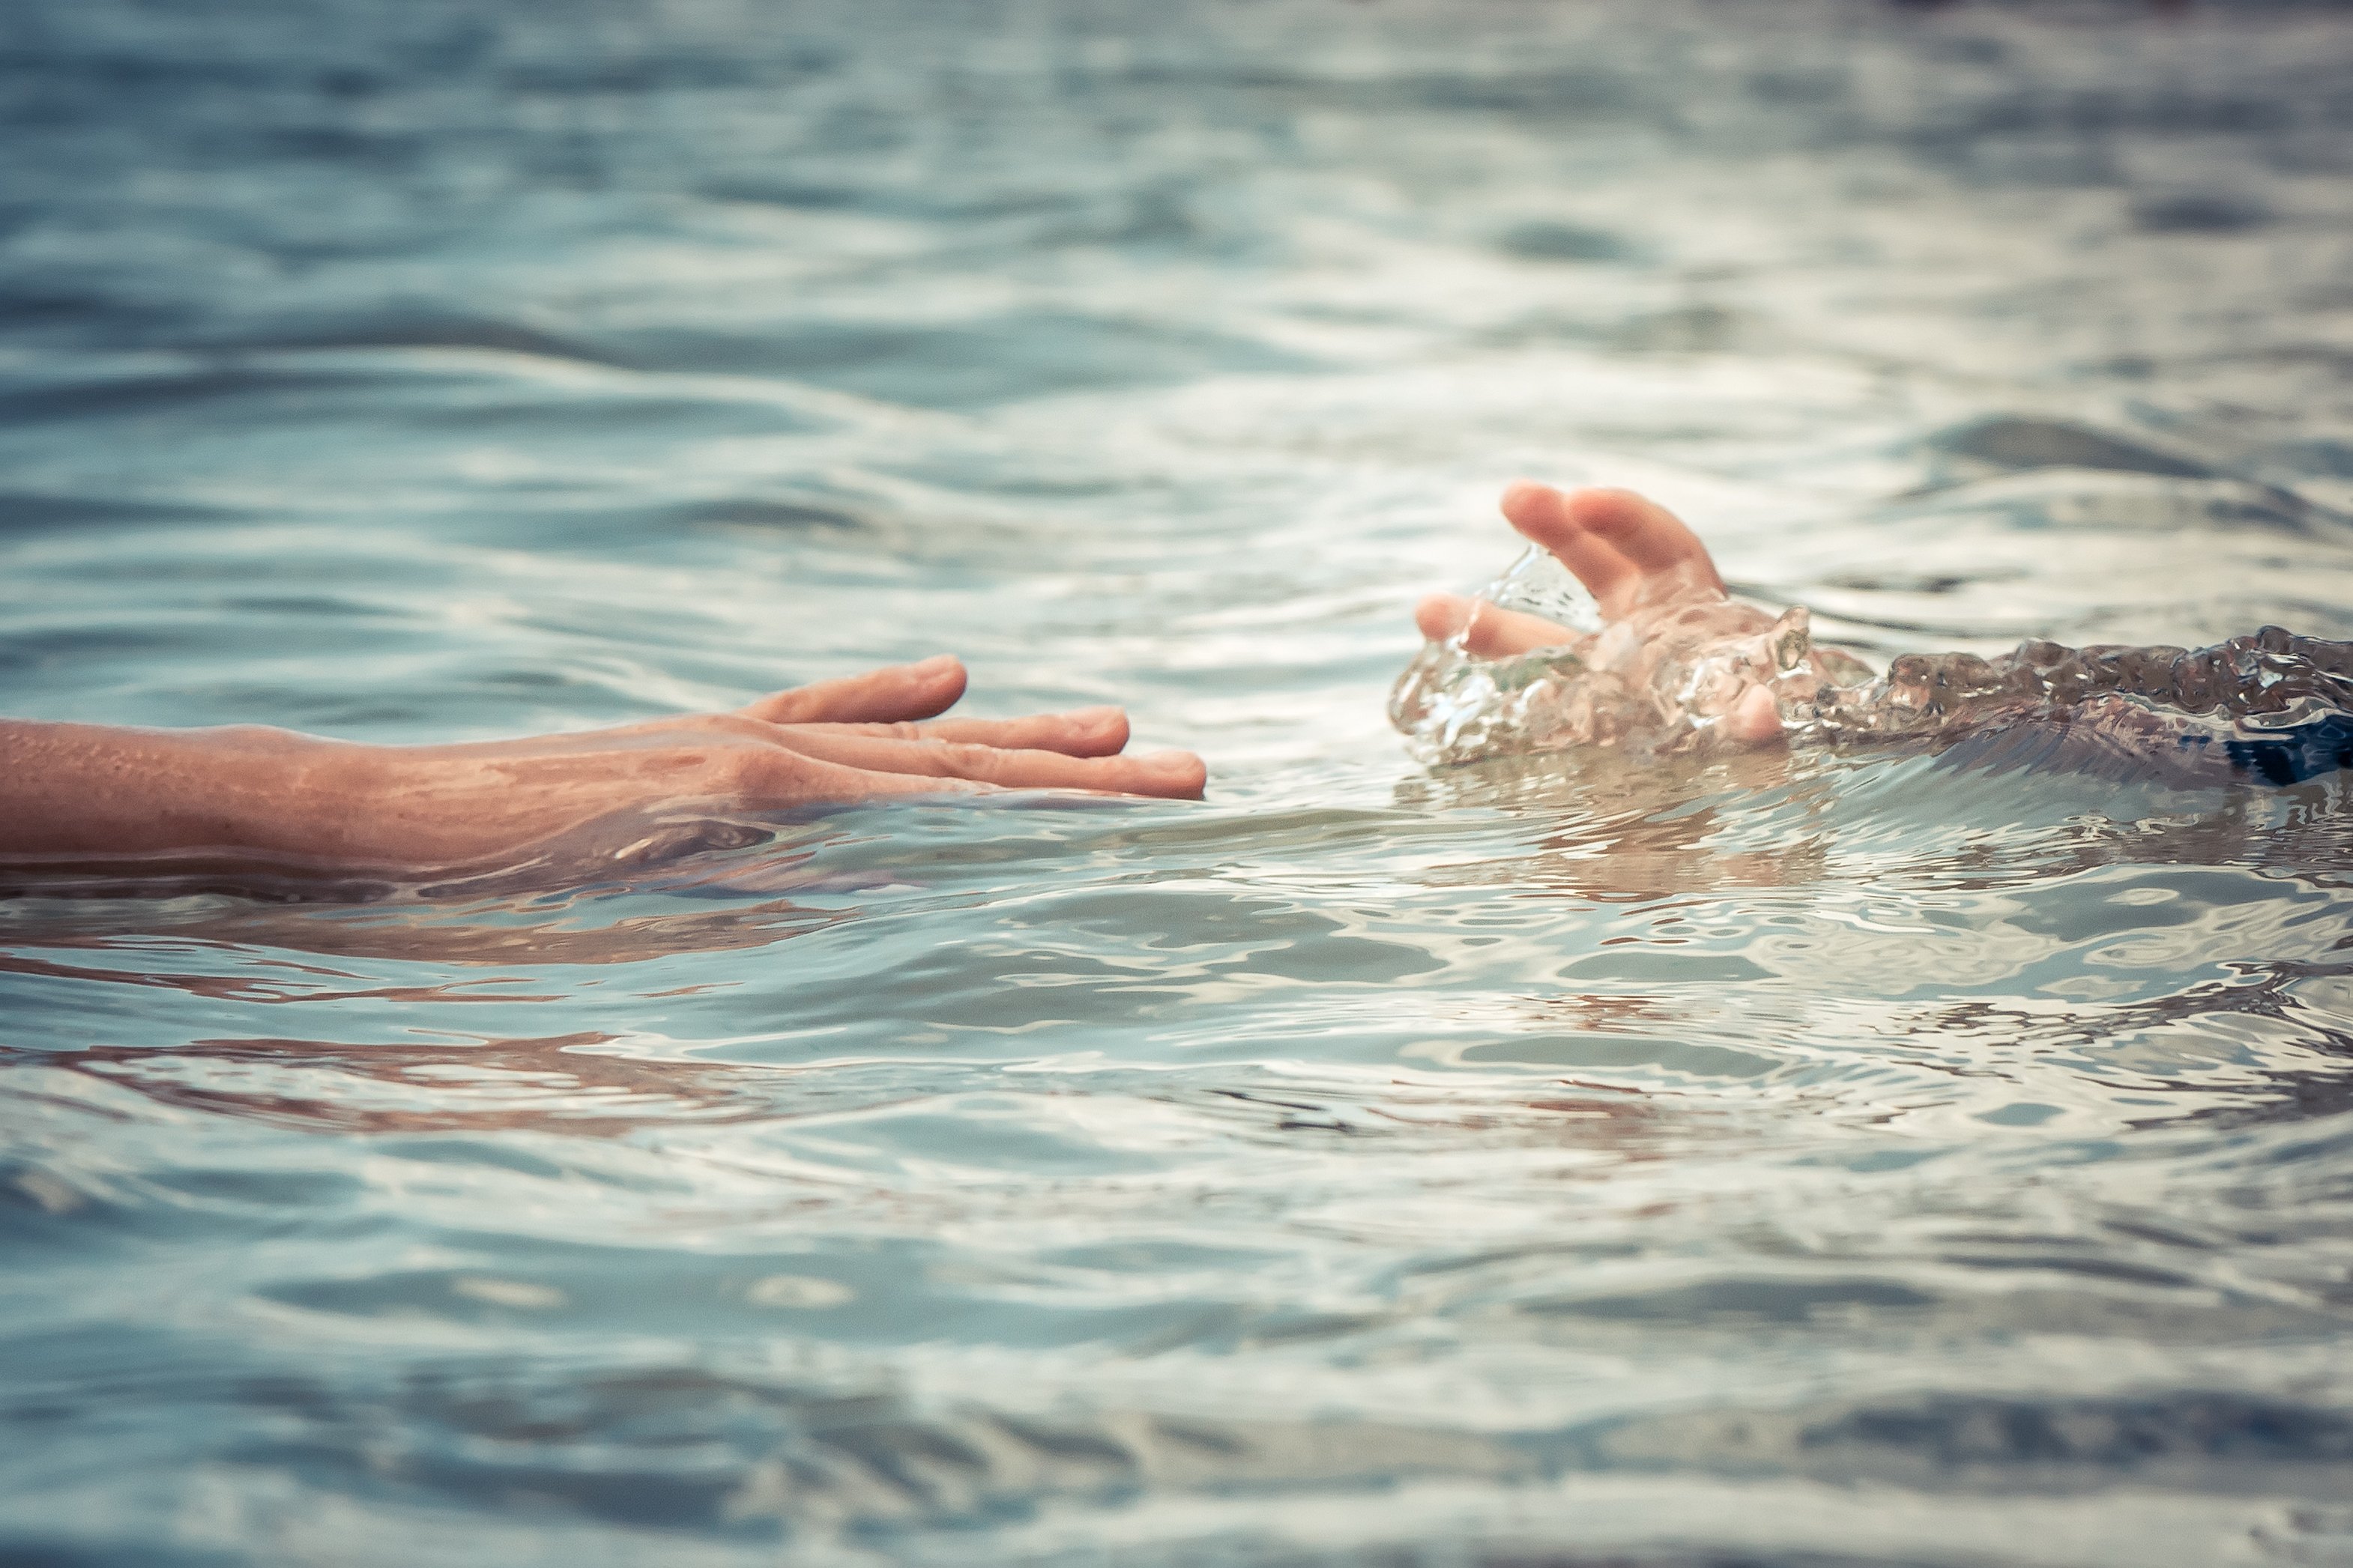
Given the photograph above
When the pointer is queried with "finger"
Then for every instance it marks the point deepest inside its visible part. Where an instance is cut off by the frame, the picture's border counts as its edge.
(1645, 532)
(1631, 552)
(1488, 631)
(1083, 732)
(1543, 514)
(805, 780)
(1175, 774)
(1755, 720)
(1672, 563)
(896, 692)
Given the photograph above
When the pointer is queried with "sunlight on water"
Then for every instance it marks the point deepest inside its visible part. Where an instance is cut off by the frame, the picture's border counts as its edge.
(1868, 1153)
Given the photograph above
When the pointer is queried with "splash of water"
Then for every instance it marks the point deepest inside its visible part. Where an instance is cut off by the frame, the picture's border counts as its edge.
(2273, 702)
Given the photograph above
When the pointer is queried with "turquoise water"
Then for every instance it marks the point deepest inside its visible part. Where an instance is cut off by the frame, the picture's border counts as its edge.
(1888, 1157)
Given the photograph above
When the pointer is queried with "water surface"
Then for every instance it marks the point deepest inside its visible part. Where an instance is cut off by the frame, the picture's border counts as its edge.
(1886, 1158)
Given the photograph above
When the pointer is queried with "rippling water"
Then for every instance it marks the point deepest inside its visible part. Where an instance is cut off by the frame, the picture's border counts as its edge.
(1900, 1158)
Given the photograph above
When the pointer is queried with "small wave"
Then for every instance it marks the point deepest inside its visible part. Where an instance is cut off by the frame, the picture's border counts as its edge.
(423, 327)
(2011, 443)
(27, 512)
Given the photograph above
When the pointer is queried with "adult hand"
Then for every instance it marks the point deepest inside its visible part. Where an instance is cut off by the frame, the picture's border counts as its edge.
(72, 789)
(1676, 656)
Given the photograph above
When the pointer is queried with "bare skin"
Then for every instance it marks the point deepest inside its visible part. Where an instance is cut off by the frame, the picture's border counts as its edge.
(1662, 600)
(76, 790)
(1679, 661)
(1673, 639)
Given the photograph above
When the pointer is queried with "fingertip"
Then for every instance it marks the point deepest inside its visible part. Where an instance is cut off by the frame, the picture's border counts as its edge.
(1184, 774)
(943, 678)
(939, 666)
(1443, 615)
(1527, 502)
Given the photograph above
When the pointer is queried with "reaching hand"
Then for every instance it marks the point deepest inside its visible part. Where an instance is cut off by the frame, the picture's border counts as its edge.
(82, 790)
(876, 734)
(1677, 659)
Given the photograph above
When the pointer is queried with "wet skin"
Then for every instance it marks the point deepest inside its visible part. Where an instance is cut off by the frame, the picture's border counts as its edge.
(1676, 649)
(1661, 598)
(90, 789)
(76, 790)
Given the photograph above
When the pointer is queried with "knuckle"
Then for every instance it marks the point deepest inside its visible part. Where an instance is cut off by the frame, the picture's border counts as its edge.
(743, 770)
(974, 759)
(781, 707)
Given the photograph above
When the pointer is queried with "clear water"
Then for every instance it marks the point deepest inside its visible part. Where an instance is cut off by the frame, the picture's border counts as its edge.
(1891, 1158)
(2268, 706)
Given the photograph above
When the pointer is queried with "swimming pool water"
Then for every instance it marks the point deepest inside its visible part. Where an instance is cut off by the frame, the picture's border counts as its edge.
(1887, 1158)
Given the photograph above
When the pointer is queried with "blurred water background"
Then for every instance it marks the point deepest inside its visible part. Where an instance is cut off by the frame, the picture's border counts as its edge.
(1885, 1159)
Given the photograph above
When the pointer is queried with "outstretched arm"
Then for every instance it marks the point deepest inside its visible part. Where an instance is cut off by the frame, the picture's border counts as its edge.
(88, 789)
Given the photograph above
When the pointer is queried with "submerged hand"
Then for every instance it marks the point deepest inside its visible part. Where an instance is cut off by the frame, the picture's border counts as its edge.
(1676, 651)
(85, 790)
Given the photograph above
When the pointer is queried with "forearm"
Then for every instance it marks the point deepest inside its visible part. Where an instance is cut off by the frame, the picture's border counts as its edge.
(75, 790)
(83, 789)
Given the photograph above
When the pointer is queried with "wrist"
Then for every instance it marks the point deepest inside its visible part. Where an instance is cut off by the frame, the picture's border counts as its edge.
(82, 789)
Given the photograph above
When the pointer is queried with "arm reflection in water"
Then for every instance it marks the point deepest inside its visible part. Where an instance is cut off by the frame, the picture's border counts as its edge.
(569, 1084)
(79, 792)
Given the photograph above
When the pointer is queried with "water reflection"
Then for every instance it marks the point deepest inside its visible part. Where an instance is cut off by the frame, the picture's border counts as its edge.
(1871, 1158)
(563, 1084)
(696, 896)
(1607, 836)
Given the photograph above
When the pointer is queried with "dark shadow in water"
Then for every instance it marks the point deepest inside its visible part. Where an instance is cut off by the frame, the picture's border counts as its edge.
(641, 1447)
(1532, 1556)
(2010, 443)
(2009, 1446)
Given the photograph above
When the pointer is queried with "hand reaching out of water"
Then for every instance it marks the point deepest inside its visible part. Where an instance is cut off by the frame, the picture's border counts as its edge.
(87, 790)
(1677, 656)
(1679, 666)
